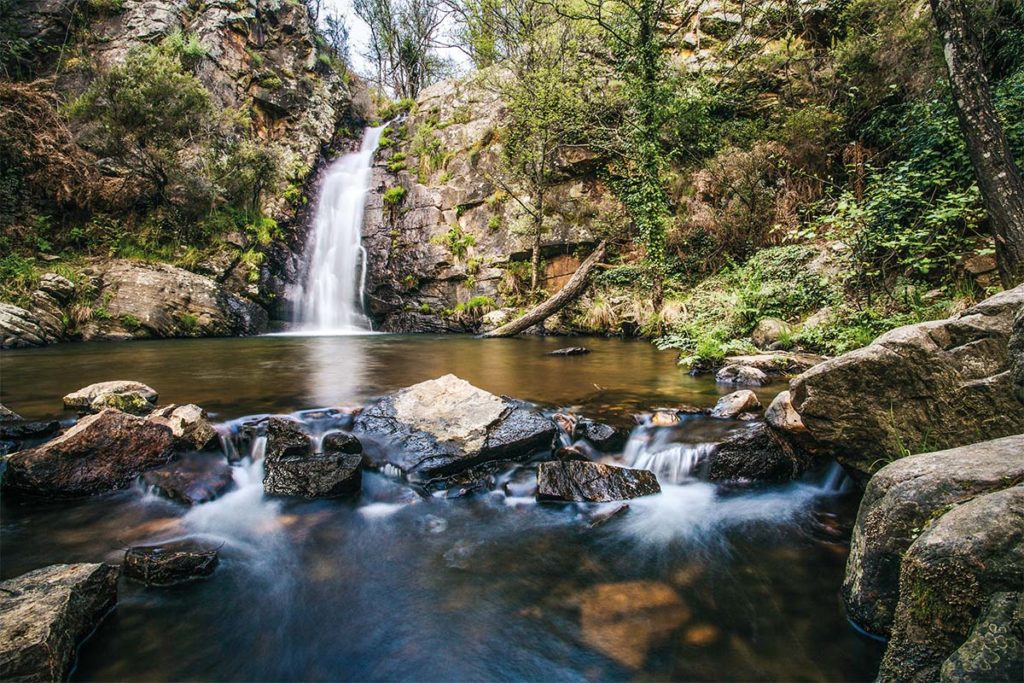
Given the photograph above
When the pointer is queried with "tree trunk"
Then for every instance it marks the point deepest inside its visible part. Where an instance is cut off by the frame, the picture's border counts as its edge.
(542, 312)
(999, 180)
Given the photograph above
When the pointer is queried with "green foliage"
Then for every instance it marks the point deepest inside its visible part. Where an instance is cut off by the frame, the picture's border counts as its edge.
(393, 196)
(18, 277)
(456, 241)
(394, 109)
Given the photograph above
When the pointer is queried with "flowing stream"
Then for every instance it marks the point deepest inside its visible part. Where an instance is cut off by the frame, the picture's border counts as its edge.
(332, 297)
(700, 582)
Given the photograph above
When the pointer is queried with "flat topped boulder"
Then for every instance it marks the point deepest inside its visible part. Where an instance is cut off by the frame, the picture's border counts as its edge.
(46, 613)
(592, 482)
(103, 394)
(169, 564)
(101, 452)
(900, 500)
(445, 425)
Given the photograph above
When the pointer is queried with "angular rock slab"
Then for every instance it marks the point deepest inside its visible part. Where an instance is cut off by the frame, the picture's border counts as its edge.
(755, 454)
(83, 398)
(446, 425)
(899, 502)
(732, 405)
(741, 375)
(189, 423)
(947, 578)
(592, 482)
(46, 613)
(101, 452)
(169, 564)
(934, 385)
(192, 480)
(327, 475)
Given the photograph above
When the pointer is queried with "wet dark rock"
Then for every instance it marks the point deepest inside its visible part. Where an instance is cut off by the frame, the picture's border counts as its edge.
(8, 416)
(286, 439)
(994, 650)
(741, 375)
(192, 480)
(5, 448)
(948, 576)
(570, 351)
(900, 501)
(566, 453)
(341, 442)
(934, 385)
(82, 400)
(602, 517)
(102, 452)
(169, 564)
(443, 426)
(755, 454)
(603, 437)
(46, 613)
(592, 482)
(21, 431)
(313, 476)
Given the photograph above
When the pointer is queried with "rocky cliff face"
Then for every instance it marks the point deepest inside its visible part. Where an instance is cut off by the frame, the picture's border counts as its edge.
(448, 247)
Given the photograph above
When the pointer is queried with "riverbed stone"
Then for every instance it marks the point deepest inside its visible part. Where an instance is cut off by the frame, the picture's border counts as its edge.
(899, 502)
(189, 423)
(994, 650)
(170, 564)
(46, 613)
(23, 430)
(286, 439)
(604, 437)
(777, 363)
(948, 576)
(341, 442)
(192, 480)
(83, 399)
(570, 351)
(741, 375)
(754, 454)
(592, 482)
(131, 402)
(8, 416)
(768, 331)
(934, 385)
(101, 452)
(441, 426)
(327, 475)
(732, 405)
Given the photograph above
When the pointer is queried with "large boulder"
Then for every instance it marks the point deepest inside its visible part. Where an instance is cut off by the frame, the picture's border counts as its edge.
(169, 564)
(192, 480)
(442, 426)
(95, 394)
(741, 375)
(46, 613)
(755, 454)
(899, 502)
(189, 423)
(922, 387)
(948, 576)
(158, 300)
(1016, 348)
(102, 452)
(994, 651)
(769, 331)
(592, 482)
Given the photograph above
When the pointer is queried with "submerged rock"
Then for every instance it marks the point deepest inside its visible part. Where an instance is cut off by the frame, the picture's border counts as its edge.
(193, 480)
(934, 385)
(900, 501)
(732, 405)
(189, 423)
(948, 576)
(46, 613)
(102, 452)
(439, 427)
(741, 375)
(592, 482)
(754, 454)
(169, 564)
(570, 351)
(84, 398)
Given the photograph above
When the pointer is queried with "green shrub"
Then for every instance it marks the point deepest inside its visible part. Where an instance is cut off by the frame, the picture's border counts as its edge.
(18, 278)
(455, 240)
(393, 196)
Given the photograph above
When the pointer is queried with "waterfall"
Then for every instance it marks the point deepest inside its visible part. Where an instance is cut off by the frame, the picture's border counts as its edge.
(332, 296)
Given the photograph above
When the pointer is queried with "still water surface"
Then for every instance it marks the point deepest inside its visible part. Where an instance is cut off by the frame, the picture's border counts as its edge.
(700, 582)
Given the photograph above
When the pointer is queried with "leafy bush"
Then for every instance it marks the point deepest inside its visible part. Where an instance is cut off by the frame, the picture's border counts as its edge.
(393, 196)
(456, 241)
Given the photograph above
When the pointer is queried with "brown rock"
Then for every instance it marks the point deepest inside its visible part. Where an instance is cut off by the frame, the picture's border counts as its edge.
(737, 402)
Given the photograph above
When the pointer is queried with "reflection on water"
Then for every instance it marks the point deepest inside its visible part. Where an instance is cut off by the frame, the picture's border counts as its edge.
(699, 582)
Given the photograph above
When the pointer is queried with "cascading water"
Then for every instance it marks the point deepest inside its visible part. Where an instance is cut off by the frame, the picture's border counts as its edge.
(332, 296)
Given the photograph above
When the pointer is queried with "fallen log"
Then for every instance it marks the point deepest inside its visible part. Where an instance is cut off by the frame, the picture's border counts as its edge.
(545, 310)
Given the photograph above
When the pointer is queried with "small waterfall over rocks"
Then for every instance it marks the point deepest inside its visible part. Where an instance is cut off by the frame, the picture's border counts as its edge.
(332, 297)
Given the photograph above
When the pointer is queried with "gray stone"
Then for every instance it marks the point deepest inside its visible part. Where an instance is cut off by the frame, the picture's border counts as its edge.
(769, 331)
(922, 387)
(732, 405)
(947, 578)
(994, 650)
(439, 427)
(327, 475)
(46, 613)
(592, 482)
(83, 398)
(741, 375)
(754, 454)
(189, 423)
(170, 564)
(899, 502)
